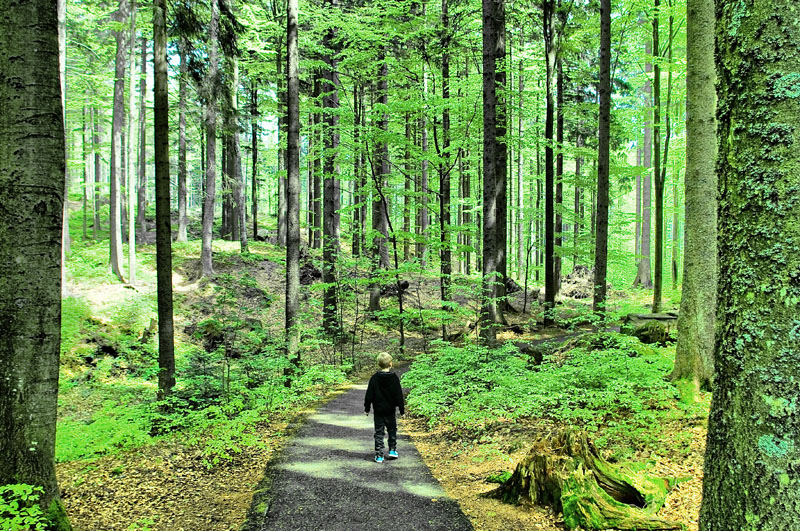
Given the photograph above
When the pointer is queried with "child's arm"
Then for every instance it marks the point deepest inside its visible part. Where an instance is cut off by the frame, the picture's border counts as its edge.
(398, 392)
(369, 396)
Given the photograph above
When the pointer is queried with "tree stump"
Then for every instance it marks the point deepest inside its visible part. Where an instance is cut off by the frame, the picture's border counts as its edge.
(566, 472)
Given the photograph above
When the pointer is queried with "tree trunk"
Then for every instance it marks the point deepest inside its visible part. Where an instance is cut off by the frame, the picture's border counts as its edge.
(318, 177)
(694, 352)
(501, 152)
(751, 473)
(550, 281)
(603, 161)
(166, 348)
(424, 218)
(407, 190)
(643, 274)
(85, 159)
(182, 219)
(141, 188)
(115, 237)
(32, 180)
(559, 199)
(292, 186)
(491, 146)
(254, 114)
(239, 210)
(130, 181)
(282, 156)
(96, 131)
(637, 245)
(659, 182)
(211, 140)
(521, 254)
(444, 169)
(330, 233)
(358, 199)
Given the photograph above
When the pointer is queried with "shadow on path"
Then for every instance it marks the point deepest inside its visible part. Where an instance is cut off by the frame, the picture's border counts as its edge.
(326, 480)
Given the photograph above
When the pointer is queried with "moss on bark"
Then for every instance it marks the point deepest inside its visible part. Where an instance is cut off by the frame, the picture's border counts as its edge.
(752, 470)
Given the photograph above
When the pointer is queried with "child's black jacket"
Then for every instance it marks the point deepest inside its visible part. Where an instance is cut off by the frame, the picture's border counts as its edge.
(384, 394)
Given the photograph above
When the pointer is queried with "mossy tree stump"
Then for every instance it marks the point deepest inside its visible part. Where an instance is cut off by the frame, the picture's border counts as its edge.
(567, 473)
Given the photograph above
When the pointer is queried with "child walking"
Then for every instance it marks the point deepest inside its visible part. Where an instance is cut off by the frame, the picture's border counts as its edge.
(384, 394)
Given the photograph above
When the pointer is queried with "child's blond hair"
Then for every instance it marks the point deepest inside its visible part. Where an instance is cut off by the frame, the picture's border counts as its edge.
(384, 360)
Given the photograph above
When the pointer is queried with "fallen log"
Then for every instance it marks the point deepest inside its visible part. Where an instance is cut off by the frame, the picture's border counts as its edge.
(565, 471)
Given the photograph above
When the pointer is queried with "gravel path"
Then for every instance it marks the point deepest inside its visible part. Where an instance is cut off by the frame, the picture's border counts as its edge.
(326, 480)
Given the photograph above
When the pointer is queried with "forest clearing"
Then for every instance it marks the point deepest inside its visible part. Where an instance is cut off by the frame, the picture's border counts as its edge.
(551, 247)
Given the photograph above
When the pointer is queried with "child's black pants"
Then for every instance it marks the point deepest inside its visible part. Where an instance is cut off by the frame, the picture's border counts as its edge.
(386, 422)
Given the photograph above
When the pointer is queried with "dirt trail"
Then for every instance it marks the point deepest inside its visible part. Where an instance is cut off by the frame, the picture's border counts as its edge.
(326, 479)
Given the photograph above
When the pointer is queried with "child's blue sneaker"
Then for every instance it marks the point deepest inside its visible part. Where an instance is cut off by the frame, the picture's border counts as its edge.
(393, 454)
(379, 458)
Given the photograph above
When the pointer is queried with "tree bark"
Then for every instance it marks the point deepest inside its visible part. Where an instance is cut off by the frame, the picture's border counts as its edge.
(32, 180)
(115, 237)
(254, 114)
(210, 88)
(751, 474)
(96, 131)
(330, 244)
(659, 181)
(444, 169)
(491, 146)
(603, 161)
(282, 156)
(130, 177)
(694, 352)
(166, 347)
(550, 281)
(559, 199)
(182, 219)
(643, 274)
(292, 186)
(141, 188)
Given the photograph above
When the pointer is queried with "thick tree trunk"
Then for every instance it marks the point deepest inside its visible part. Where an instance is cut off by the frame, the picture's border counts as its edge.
(292, 186)
(694, 352)
(491, 146)
(166, 348)
(115, 174)
(603, 161)
(211, 141)
(182, 219)
(330, 232)
(751, 474)
(501, 153)
(32, 180)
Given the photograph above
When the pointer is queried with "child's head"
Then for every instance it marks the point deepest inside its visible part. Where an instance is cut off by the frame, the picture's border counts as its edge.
(384, 360)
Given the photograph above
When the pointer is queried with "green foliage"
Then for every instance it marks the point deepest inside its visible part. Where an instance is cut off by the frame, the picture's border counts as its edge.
(19, 510)
(604, 381)
(74, 313)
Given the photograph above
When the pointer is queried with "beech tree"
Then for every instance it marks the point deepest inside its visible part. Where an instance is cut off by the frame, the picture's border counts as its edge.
(32, 177)
(752, 445)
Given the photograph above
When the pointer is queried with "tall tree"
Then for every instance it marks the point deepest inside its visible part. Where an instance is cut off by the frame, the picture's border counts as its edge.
(491, 146)
(210, 93)
(130, 187)
(32, 177)
(603, 161)
(292, 185)
(115, 173)
(694, 352)
(141, 189)
(166, 348)
(550, 281)
(643, 273)
(182, 82)
(330, 232)
(657, 176)
(751, 478)
(444, 166)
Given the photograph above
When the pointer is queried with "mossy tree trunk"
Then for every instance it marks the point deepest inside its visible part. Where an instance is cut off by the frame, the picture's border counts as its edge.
(752, 471)
(694, 353)
(32, 177)
(566, 472)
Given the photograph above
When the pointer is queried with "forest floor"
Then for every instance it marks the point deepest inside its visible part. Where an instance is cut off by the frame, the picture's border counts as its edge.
(201, 478)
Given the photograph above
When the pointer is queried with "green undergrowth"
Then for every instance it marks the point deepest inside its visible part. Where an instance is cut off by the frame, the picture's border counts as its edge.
(607, 383)
(229, 364)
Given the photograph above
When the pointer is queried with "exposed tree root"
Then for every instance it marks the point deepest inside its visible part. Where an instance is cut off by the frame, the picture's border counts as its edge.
(566, 471)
